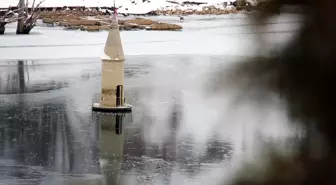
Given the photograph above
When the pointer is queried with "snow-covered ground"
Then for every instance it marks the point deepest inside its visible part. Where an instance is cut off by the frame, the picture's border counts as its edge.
(126, 6)
(202, 35)
(101, 3)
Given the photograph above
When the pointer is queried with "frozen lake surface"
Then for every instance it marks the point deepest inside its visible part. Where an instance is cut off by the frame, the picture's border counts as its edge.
(203, 35)
(179, 130)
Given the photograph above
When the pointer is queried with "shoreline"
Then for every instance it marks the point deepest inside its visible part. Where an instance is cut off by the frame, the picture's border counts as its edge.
(95, 20)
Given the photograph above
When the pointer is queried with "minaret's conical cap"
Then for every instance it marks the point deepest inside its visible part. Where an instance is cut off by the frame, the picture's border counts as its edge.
(113, 47)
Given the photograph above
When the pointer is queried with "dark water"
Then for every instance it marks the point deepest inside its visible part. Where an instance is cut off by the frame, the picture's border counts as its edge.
(49, 135)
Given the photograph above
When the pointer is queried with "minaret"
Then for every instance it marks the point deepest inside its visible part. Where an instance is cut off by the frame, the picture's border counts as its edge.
(112, 91)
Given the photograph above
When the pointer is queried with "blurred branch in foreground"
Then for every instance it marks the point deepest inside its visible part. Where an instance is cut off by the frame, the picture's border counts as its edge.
(302, 74)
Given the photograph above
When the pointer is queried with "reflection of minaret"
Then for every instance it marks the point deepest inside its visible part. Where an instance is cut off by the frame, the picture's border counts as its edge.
(15, 79)
(175, 119)
(111, 146)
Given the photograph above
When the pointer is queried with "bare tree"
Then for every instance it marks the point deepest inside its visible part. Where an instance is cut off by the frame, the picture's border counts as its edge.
(9, 17)
(29, 19)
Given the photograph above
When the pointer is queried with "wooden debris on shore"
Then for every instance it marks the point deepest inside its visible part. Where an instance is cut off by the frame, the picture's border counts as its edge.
(100, 22)
(208, 10)
(58, 18)
(82, 22)
(67, 15)
(141, 23)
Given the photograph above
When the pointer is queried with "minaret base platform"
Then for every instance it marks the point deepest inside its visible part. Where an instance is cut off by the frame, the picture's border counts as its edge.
(121, 109)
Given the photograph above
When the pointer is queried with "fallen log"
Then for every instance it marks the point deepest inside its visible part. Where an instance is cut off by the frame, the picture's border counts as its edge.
(141, 21)
(63, 18)
(165, 26)
(48, 21)
(80, 23)
(72, 27)
(127, 26)
(95, 28)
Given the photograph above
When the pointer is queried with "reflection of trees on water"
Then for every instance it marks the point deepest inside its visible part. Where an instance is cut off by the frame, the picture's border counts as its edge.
(41, 135)
(16, 79)
(174, 148)
(153, 160)
(136, 70)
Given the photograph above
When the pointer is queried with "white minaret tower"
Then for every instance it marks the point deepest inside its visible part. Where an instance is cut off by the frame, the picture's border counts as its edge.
(112, 91)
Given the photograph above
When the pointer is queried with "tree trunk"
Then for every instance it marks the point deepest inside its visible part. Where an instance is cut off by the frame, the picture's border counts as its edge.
(2, 28)
(20, 24)
(27, 29)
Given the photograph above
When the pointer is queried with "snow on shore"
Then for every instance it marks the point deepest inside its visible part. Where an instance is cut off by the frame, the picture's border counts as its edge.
(126, 6)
